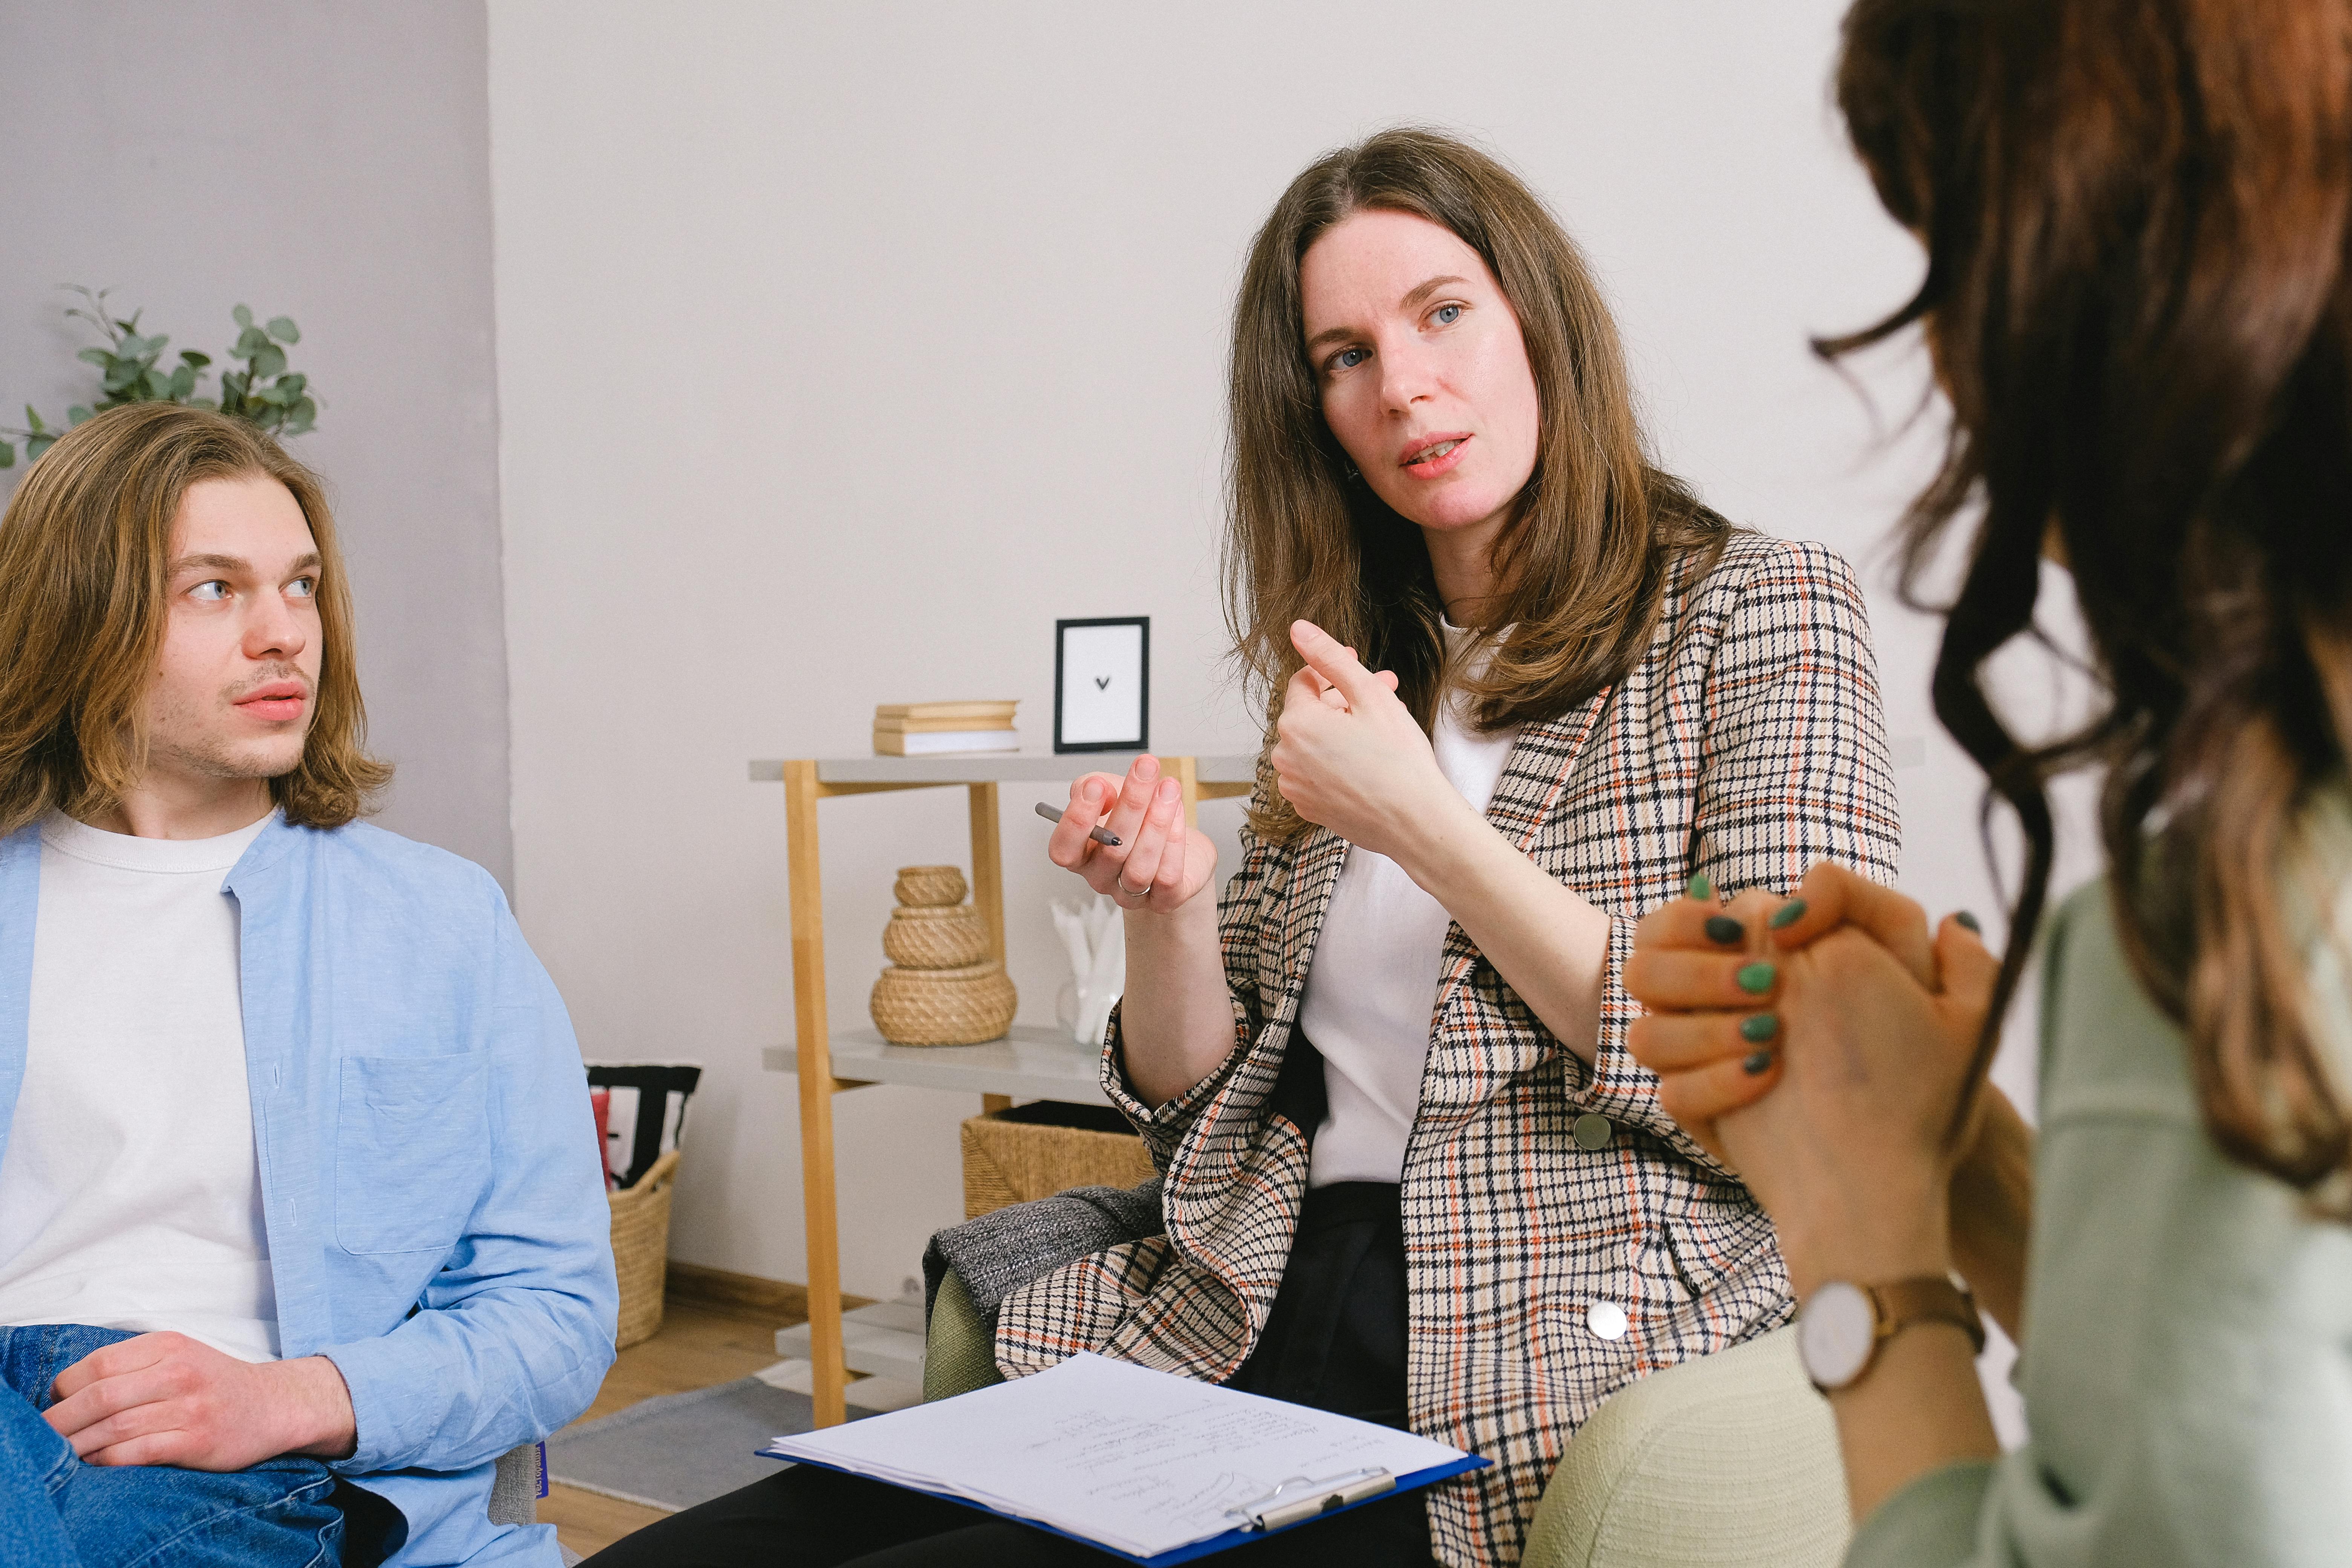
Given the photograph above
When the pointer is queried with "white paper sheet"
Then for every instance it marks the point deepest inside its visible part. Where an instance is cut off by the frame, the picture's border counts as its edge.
(1142, 1461)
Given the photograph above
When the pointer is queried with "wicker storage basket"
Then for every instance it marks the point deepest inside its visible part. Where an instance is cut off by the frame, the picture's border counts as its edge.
(641, 1249)
(930, 885)
(944, 1006)
(1036, 1151)
(932, 937)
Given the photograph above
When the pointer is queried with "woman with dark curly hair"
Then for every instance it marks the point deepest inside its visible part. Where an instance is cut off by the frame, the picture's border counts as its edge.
(2138, 215)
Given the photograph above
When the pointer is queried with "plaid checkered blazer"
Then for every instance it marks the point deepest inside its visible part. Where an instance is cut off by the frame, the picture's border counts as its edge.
(1747, 744)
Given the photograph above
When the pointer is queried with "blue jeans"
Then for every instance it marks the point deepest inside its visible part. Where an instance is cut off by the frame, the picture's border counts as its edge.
(58, 1513)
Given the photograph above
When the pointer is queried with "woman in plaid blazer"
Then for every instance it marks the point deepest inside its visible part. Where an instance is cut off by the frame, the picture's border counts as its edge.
(1681, 700)
(1589, 691)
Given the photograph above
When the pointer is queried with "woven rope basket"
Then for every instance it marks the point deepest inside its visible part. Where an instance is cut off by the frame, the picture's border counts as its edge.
(640, 1247)
(1012, 1157)
(929, 937)
(944, 1006)
(930, 885)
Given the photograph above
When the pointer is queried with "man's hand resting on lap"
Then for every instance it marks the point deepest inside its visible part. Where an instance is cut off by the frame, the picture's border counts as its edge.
(166, 1399)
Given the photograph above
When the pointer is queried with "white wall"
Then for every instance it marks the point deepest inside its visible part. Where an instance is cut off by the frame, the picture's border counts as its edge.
(844, 348)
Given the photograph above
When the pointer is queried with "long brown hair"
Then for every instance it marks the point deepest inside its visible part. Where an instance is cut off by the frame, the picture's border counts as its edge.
(1583, 564)
(2135, 218)
(85, 550)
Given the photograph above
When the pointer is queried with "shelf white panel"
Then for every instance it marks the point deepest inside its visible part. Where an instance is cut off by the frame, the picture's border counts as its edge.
(1027, 1064)
(999, 766)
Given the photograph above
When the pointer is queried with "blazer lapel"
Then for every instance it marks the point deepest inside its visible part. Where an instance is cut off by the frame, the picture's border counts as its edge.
(1538, 771)
(1313, 875)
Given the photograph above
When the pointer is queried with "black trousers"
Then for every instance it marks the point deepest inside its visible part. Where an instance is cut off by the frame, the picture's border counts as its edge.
(1335, 1340)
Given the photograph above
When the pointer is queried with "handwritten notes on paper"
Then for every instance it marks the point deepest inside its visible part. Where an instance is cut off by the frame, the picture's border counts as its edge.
(1139, 1461)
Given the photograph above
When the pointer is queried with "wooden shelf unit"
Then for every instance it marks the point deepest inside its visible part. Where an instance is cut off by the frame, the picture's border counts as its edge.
(1024, 1064)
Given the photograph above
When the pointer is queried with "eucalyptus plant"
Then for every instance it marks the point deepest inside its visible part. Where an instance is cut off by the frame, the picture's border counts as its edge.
(131, 370)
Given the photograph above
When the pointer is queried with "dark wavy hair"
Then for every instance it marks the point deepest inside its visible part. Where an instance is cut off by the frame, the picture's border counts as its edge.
(85, 550)
(1596, 536)
(2135, 220)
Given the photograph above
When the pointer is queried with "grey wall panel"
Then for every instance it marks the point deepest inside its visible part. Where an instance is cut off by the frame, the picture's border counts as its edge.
(328, 163)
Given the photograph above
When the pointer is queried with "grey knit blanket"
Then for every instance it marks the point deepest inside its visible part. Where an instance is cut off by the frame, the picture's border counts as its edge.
(998, 1253)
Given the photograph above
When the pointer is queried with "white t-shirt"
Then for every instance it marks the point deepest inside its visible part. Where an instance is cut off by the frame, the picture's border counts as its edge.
(1372, 991)
(130, 1194)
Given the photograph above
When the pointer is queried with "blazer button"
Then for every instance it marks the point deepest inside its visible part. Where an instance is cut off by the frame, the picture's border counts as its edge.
(1593, 1130)
(1606, 1320)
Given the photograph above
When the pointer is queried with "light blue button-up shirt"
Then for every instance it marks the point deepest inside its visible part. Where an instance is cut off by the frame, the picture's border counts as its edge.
(431, 1184)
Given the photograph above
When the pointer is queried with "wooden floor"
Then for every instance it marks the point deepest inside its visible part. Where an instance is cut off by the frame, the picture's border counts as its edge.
(701, 1343)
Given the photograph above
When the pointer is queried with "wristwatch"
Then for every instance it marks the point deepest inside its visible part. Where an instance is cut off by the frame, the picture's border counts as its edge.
(1842, 1325)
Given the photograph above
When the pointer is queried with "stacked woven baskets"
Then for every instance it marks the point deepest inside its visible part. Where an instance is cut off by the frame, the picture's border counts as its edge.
(941, 988)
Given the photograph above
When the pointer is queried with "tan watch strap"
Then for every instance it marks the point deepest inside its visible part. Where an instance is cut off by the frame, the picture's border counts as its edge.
(1925, 1300)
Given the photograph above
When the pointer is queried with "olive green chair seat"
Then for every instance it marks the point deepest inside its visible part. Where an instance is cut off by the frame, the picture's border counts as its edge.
(1730, 1461)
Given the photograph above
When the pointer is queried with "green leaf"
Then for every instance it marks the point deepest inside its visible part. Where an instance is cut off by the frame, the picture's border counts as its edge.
(183, 382)
(301, 416)
(98, 357)
(120, 374)
(158, 386)
(32, 419)
(190, 356)
(270, 362)
(36, 445)
(292, 383)
(250, 342)
(8, 455)
(77, 415)
(243, 315)
(283, 329)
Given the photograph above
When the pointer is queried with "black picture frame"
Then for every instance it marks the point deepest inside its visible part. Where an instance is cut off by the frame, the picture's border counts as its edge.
(1141, 739)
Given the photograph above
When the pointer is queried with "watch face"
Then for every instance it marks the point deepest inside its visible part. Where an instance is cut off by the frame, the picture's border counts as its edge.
(1835, 1334)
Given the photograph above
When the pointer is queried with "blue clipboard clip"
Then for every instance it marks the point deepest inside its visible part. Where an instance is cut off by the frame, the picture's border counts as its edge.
(1299, 1499)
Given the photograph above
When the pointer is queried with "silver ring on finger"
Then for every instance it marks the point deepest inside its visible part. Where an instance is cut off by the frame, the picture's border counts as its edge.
(1121, 883)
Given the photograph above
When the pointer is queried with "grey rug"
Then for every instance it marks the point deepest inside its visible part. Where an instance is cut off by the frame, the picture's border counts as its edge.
(681, 1448)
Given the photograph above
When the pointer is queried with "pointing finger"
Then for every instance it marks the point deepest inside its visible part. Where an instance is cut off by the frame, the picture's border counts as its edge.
(1336, 663)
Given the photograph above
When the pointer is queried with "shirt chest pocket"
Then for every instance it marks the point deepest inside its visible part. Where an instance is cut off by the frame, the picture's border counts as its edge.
(411, 1151)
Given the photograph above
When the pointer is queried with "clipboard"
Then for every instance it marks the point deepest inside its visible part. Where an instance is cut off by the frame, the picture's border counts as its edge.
(1140, 1463)
(1240, 1536)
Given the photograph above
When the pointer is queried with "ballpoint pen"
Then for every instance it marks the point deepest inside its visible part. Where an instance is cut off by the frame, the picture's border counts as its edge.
(1099, 834)
(1299, 1499)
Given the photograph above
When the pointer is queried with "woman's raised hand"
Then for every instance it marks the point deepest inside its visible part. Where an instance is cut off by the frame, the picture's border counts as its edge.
(1349, 755)
(1158, 863)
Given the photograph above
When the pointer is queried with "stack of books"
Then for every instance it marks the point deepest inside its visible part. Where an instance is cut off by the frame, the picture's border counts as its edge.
(936, 729)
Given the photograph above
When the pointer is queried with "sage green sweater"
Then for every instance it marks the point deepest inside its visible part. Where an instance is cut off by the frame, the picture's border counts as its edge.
(2188, 1368)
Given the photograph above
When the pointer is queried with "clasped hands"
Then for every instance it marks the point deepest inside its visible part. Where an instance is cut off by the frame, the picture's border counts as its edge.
(1819, 1046)
(1348, 754)
(166, 1399)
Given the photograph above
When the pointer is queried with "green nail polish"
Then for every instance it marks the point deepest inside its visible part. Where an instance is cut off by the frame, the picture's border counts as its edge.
(1757, 1027)
(1757, 1063)
(1787, 915)
(1756, 978)
(1724, 928)
(1969, 921)
(1700, 887)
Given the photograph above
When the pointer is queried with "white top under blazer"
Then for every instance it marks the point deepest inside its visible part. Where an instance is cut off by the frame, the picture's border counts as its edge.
(1372, 990)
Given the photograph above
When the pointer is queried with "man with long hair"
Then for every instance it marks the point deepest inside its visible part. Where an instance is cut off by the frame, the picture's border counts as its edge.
(300, 1215)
